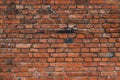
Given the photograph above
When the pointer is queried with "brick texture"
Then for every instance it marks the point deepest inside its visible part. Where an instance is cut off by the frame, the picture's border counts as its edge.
(59, 40)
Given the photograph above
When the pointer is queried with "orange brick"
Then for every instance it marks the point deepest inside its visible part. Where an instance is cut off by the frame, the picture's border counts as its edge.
(41, 55)
(11, 21)
(80, 36)
(68, 59)
(88, 59)
(51, 60)
(73, 55)
(1, 21)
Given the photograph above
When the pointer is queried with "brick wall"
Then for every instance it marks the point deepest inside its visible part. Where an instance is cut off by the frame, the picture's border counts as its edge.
(59, 40)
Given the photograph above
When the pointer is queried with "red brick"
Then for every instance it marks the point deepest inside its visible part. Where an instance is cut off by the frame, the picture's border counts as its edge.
(1, 2)
(88, 59)
(94, 49)
(23, 45)
(85, 50)
(62, 35)
(113, 2)
(65, 2)
(59, 59)
(49, 2)
(51, 60)
(41, 45)
(74, 74)
(106, 69)
(73, 55)
(58, 55)
(92, 64)
(117, 44)
(32, 2)
(41, 55)
(58, 64)
(59, 45)
(1, 21)
(25, 74)
(82, 2)
(105, 64)
(50, 69)
(74, 64)
(97, 2)
(110, 73)
(117, 55)
(78, 59)
(88, 55)
(68, 59)
(80, 36)
(50, 50)
(11, 21)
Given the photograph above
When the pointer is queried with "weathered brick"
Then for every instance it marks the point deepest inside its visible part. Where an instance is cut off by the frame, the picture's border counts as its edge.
(88, 55)
(51, 60)
(73, 55)
(32, 2)
(65, 2)
(59, 55)
(77, 21)
(94, 49)
(23, 45)
(40, 55)
(113, 2)
(117, 44)
(82, 2)
(41, 45)
(28, 21)
(1, 21)
(96, 2)
(0, 2)
(12, 21)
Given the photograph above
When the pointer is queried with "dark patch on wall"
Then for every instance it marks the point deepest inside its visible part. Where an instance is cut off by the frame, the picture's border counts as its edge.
(66, 30)
(9, 61)
(107, 55)
(1, 70)
(69, 40)
(15, 11)
(82, 2)
(48, 10)
(11, 9)
(9, 70)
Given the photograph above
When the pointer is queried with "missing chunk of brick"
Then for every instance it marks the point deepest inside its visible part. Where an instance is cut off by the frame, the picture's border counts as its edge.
(107, 55)
(9, 61)
(68, 40)
(18, 78)
(66, 30)
(1, 70)
(110, 55)
(12, 5)
(48, 10)
(9, 70)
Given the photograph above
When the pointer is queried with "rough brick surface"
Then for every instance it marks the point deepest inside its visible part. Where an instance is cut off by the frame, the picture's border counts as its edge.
(59, 40)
